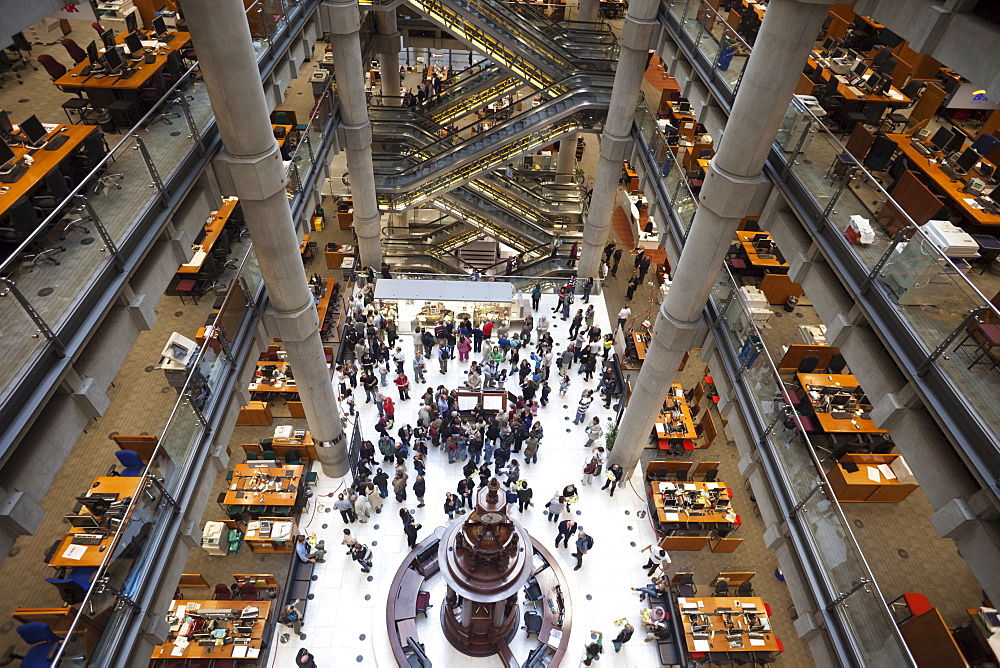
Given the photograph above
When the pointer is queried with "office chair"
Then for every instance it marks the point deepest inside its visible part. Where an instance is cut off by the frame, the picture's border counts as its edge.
(248, 592)
(21, 46)
(97, 26)
(269, 454)
(533, 591)
(836, 363)
(685, 584)
(44, 644)
(986, 144)
(236, 512)
(423, 602)
(222, 593)
(711, 475)
(807, 364)
(7, 67)
(721, 587)
(70, 591)
(745, 589)
(73, 49)
(532, 623)
(292, 458)
(92, 153)
(681, 475)
(880, 155)
(132, 462)
(53, 67)
(56, 192)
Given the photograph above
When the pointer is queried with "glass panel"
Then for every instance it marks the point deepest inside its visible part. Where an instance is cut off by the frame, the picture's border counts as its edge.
(833, 547)
(21, 340)
(872, 628)
(119, 192)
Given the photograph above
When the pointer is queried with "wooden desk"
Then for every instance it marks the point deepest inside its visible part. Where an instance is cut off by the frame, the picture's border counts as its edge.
(685, 421)
(759, 10)
(283, 386)
(214, 226)
(896, 99)
(323, 304)
(196, 651)
(284, 138)
(269, 545)
(858, 487)
(94, 555)
(703, 488)
(640, 345)
(76, 80)
(717, 642)
(746, 239)
(826, 421)
(952, 189)
(45, 162)
(247, 487)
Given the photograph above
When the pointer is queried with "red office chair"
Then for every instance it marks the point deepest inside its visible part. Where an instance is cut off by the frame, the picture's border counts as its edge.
(97, 26)
(248, 592)
(73, 49)
(222, 593)
(52, 66)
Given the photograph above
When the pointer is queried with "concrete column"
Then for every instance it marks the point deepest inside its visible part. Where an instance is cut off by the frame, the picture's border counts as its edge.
(640, 25)
(389, 43)
(566, 162)
(220, 33)
(786, 36)
(590, 11)
(345, 23)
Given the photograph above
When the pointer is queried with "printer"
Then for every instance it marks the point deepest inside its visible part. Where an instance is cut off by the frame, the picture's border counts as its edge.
(951, 240)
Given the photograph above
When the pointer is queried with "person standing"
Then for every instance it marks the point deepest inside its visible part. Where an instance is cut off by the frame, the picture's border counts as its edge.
(567, 302)
(464, 347)
(593, 432)
(403, 385)
(623, 636)
(608, 250)
(584, 543)
(590, 469)
(633, 283)
(644, 267)
(362, 554)
(374, 498)
(381, 480)
(419, 366)
(362, 508)
(419, 489)
(616, 258)
(466, 486)
(588, 285)
(450, 505)
(399, 486)
(524, 494)
(536, 297)
(594, 648)
(581, 408)
(555, 507)
(346, 509)
(576, 324)
(566, 530)
(443, 356)
(370, 384)
(614, 475)
(574, 252)
(658, 558)
(411, 534)
(623, 315)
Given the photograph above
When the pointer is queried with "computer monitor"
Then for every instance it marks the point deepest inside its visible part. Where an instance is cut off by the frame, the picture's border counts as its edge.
(955, 143)
(159, 26)
(838, 53)
(5, 125)
(967, 161)
(108, 38)
(941, 138)
(7, 157)
(874, 81)
(95, 504)
(829, 43)
(32, 128)
(683, 106)
(860, 68)
(83, 521)
(841, 399)
(113, 58)
(131, 22)
(134, 42)
(986, 169)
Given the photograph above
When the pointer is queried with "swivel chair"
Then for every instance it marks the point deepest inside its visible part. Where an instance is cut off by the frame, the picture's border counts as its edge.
(44, 644)
(532, 623)
(53, 67)
(73, 49)
(132, 462)
(533, 591)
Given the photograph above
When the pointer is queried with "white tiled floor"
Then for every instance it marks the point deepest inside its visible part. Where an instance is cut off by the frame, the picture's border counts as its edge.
(345, 622)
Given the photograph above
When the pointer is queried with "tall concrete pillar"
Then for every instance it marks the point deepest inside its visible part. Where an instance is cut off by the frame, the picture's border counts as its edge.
(590, 11)
(389, 44)
(220, 32)
(345, 22)
(566, 162)
(640, 22)
(733, 177)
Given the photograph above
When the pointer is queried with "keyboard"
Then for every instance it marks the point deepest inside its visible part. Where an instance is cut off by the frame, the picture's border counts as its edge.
(56, 142)
(989, 205)
(840, 415)
(88, 539)
(857, 91)
(166, 39)
(14, 174)
(950, 173)
(127, 74)
(765, 256)
(921, 149)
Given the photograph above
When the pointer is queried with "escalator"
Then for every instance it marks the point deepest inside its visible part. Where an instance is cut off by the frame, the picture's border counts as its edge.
(470, 94)
(405, 179)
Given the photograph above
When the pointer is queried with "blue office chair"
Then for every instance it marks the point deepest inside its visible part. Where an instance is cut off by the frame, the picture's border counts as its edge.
(73, 587)
(986, 144)
(132, 462)
(43, 641)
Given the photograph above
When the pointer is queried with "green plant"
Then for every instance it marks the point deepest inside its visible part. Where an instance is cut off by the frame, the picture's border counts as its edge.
(610, 434)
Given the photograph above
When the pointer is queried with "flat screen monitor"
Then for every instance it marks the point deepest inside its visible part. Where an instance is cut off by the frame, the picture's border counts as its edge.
(5, 126)
(6, 155)
(874, 80)
(955, 143)
(108, 38)
(97, 505)
(159, 26)
(967, 161)
(830, 43)
(134, 42)
(93, 55)
(32, 128)
(131, 22)
(860, 68)
(113, 58)
(841, 399)
(986, 169)
(684, 107)
(83, 521)
(941, 138)
(838, 53)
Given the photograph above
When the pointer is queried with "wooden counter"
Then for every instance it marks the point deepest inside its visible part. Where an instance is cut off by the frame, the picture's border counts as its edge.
(248, 486)
(716, 642)
(220, 651)
(45, 162)
(94, 554)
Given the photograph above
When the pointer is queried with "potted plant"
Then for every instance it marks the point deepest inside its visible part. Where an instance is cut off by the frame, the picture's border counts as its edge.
(610, 434)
